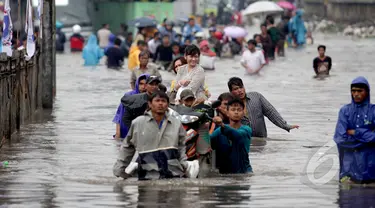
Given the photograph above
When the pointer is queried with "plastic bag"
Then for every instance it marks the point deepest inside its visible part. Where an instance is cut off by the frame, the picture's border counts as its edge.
(207, 62)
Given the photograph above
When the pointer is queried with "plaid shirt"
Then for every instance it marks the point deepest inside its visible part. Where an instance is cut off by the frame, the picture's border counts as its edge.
(257, 107)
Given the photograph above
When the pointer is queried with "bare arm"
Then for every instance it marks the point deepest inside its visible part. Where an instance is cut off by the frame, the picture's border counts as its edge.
(118, 131)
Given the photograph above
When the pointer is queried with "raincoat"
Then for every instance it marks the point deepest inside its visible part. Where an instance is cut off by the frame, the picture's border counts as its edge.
(357, 152)
(92, 53)
(133, 60)
(111, 43)
(298, 28)
(121, 109)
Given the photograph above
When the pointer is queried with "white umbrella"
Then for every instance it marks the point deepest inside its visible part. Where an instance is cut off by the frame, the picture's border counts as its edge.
(262, 7)
(235, 32)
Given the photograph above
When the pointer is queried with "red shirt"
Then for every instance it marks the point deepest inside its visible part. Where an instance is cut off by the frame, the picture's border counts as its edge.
(77, 42)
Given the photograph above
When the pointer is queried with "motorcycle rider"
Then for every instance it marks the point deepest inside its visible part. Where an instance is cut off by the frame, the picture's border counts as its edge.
(160, 147)
(202, 148)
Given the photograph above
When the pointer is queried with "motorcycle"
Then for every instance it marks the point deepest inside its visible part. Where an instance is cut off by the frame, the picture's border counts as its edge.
(198, 124)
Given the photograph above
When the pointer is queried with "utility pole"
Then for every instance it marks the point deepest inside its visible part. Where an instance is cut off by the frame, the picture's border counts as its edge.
(48, 54)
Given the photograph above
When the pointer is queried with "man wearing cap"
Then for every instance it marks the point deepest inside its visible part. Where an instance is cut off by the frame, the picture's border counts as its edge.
(190, 29)
(187, 98)
(136, 105)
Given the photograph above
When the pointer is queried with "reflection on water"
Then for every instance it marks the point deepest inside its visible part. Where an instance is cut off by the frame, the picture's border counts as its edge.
(65, 157)
(356, 197)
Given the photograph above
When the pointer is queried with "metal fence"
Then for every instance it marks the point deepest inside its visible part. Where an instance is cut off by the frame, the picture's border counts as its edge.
(20, 91)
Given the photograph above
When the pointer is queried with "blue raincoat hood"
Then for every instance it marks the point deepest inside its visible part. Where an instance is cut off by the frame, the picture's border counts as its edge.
(297, 27)
(92, 53)
(111, 43)
(299, 13)
(112, 38)
(92, 41)
(136, 90)
(362, 80)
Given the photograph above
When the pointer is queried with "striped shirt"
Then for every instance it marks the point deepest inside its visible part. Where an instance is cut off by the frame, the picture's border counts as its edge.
(257, 106)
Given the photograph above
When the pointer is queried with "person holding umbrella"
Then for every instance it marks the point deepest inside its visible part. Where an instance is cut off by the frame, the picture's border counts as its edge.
(142, 24)
(237, 35)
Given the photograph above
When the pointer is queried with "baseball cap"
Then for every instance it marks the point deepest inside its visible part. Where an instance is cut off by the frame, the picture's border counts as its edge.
(187, 93)
(153, 79)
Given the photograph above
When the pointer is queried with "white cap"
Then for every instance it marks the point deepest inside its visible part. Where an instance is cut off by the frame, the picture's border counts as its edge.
(199, 35)
(76, 29)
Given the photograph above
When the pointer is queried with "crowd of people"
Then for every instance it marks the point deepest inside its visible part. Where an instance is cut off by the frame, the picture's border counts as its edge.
(154, 139)
(239, 117)
(164, 44)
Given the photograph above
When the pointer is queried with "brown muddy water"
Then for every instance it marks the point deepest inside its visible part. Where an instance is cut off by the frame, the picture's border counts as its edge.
(65, 158)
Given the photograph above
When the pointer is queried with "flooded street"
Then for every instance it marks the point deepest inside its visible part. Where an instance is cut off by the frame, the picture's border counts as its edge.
(65, 158)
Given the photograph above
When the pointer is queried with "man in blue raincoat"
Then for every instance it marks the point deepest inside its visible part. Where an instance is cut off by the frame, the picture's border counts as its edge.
(355, 136)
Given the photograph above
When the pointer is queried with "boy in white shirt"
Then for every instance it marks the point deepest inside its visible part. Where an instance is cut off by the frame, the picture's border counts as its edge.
(154, 43)
(252, 60)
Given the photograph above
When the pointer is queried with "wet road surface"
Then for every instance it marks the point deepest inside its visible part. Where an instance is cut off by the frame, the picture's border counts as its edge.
(65, 158)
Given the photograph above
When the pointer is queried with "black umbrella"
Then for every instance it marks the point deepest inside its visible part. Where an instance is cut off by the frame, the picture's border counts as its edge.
(144, 22)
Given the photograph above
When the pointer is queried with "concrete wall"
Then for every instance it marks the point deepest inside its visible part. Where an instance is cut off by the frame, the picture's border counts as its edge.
(20, 91)
(125, 12)
(187, 10)
(76, 12)
(351, 11)
(315, 8)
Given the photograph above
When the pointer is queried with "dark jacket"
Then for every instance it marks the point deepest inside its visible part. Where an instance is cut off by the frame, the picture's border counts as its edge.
(60, 40)
(135, 105)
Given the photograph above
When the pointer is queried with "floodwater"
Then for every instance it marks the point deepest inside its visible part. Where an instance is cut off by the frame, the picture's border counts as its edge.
(65, 158)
